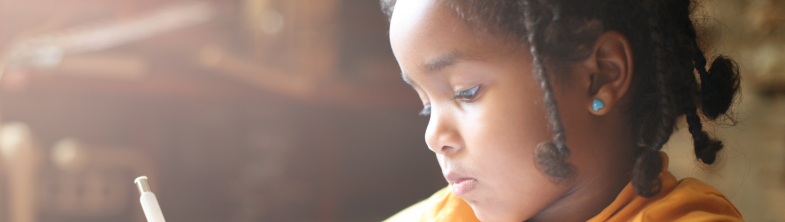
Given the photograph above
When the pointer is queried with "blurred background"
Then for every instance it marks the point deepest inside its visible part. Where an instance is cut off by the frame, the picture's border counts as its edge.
(282, 110)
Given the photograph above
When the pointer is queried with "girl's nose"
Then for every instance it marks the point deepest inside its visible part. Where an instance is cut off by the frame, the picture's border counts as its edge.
(442, 136)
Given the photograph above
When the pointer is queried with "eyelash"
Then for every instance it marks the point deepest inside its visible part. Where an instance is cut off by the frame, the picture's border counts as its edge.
(464, 96)
(426, 111)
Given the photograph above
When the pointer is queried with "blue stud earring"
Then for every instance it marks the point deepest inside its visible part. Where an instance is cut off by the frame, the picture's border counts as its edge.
(597, 104)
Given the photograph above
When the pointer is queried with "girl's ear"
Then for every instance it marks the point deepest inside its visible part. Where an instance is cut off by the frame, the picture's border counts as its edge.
(610, 69)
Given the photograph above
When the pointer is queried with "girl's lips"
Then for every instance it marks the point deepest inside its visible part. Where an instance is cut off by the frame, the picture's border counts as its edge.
(463, 186)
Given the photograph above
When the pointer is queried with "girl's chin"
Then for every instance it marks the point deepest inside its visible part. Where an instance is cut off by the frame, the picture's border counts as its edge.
(494, 216)
(488, 212)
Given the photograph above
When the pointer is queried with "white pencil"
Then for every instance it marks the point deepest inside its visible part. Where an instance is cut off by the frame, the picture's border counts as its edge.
(149, 203)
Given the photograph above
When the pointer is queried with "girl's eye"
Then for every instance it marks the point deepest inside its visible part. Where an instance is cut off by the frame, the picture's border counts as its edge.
(467, 95)
(464, 96)
(426, 111)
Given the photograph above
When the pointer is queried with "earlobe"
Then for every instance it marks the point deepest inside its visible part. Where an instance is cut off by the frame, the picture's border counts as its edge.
(611, 65)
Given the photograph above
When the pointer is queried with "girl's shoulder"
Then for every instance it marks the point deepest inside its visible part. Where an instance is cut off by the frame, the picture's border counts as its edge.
(685, 200)
(691, 200)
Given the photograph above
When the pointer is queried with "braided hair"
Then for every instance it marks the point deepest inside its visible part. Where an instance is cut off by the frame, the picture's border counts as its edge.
(670, 70)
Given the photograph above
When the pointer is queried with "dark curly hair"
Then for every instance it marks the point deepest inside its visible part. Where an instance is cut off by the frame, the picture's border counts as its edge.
(665, 85)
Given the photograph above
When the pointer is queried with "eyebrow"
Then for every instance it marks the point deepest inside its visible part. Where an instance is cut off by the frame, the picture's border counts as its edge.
(438, 63)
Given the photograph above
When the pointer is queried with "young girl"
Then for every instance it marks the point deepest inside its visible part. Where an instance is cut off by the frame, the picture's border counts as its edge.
(556, 110)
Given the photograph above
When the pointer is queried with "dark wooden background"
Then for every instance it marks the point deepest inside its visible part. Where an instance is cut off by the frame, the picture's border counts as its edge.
(220, 138)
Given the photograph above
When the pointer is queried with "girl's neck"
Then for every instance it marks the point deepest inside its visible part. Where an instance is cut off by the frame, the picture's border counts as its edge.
(598, 183)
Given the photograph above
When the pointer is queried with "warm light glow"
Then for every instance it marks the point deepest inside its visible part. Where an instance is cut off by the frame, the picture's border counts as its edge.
(271, 22)
(12, 137)
(65, 152)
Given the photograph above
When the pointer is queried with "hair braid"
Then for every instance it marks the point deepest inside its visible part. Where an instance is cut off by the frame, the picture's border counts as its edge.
(705, 147)
(646, 179)
(550, 156)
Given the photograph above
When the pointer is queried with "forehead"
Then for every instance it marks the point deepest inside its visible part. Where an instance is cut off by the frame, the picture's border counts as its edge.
(409, 14)
(419, 21)
(425, 30)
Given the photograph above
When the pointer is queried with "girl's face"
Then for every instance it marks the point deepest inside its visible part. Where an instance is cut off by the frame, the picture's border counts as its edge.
(486, 110)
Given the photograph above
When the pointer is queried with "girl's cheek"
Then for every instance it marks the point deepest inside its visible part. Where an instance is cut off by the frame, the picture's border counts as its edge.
(481, 129)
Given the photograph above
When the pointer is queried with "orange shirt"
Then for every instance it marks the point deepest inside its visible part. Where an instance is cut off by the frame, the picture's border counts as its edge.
(685, 200)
